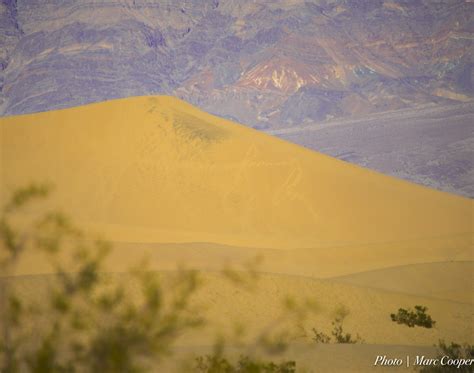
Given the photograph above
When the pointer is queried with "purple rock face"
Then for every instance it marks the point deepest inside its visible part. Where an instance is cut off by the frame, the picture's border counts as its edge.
(268, 36)
(269, 64)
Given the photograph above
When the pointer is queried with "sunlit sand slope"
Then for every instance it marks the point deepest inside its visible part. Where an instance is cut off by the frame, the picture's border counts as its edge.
(444, 280)
(259, 308)
(156, 169)
(261, 305)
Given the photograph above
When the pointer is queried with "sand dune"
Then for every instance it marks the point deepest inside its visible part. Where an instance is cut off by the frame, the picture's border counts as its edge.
(312, 262)
(155, 169)
(444, 280)
(161, 178)
(327, 358)
(227, 304)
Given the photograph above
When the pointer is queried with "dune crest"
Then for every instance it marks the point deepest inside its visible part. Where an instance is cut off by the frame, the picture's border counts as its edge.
(156, 169)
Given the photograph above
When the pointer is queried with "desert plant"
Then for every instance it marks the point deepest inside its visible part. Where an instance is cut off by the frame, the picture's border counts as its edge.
(245, 364)
(85, 320)
(340, 336)
(338, 333)
(320, 337)
(455, 352)
(411, 318)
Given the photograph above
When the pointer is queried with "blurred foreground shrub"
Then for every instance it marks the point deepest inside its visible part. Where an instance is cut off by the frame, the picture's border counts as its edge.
(89, 321)
(83, 322)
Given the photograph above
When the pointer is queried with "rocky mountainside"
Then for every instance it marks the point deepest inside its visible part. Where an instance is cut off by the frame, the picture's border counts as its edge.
(432, 146)
(269, 64)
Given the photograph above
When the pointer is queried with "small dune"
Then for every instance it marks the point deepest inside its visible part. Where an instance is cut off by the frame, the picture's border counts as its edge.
(227, 304)
(443, 280)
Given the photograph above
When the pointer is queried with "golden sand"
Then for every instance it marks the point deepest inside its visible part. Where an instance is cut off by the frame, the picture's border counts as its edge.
(155, 169)
(159, 176)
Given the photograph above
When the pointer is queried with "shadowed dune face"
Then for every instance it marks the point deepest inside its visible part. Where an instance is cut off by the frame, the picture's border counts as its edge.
(155, 169)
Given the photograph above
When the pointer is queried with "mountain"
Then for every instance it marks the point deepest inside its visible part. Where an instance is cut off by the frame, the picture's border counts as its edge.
(431, 145)
(267, 64)
(277, 66)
